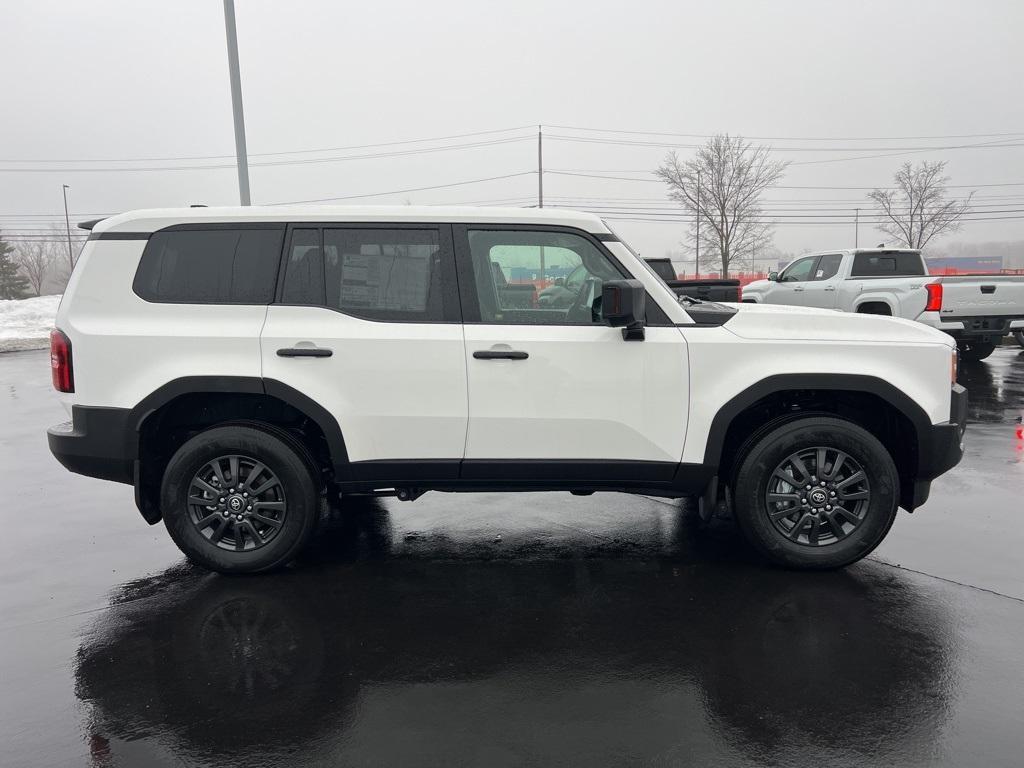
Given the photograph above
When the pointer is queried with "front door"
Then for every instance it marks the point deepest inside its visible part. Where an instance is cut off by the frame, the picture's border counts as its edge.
(554, 391)
(367, 325)
(792, 282)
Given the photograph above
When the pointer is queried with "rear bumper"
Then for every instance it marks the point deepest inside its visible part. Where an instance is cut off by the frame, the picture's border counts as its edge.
(980, 329)
(93, 443)
(942, 447)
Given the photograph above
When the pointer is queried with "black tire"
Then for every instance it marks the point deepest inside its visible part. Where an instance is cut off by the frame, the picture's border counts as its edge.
(297, 495)
(973, 353)
(1019, 336)
(842, 536)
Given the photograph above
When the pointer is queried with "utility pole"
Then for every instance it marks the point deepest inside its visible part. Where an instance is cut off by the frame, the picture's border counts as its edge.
(67, 223)
(236, 102)
(540, 190)
(540, 167)
(696, 261)
(856, 227)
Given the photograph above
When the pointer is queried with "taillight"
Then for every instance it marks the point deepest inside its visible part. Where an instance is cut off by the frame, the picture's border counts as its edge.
(934, 297)
(954, 367)
(60, 362)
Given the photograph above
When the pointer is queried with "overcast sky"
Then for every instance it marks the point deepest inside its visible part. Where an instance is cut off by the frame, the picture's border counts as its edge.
(144, 81)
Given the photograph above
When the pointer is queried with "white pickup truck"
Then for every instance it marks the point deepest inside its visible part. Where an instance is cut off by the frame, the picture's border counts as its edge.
(976, 310)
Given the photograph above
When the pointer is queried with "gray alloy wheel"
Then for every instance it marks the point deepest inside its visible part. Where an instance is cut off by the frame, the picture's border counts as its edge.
(817, 496)
(237, 503)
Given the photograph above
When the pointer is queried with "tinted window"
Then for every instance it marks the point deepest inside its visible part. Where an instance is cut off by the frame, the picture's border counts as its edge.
(828, 266)
(304, 274)
(799, 270)
(888, 264)
(380, 274)
(210, 266)
(538, 277)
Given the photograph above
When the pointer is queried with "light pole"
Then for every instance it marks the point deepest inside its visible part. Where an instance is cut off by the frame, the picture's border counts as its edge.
(236, 102)
(856, 227)
(67, 224)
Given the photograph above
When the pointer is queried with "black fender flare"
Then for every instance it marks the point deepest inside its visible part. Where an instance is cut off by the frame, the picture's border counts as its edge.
(255, 385)
(821, 382)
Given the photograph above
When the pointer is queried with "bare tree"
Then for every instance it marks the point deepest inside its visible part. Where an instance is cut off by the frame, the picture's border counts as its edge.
(918, 209)
(732, 174)
(36, 259)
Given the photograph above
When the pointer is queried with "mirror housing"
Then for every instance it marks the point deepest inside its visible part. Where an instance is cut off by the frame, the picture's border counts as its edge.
(773, 276)
(623, 305)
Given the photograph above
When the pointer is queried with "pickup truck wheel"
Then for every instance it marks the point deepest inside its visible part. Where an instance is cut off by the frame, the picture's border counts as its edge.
(973, 353)
(816, 493)
(1019, 336)
(236, 499)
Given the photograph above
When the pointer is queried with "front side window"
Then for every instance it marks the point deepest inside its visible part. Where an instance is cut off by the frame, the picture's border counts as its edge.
(799, 270)
(379, 274)
(210, 266)
(828, 266)
(536, 277)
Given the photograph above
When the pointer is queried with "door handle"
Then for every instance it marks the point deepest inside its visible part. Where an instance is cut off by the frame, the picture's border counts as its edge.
(500, 354)
(797, 288)
(830, 288)
(304, 352)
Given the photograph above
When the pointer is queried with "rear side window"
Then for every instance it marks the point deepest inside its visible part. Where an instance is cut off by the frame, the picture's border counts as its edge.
(828, 266)
(210, 266)
(887, 264)
(381, 274)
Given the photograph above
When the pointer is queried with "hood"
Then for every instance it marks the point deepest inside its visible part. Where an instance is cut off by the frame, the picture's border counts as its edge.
(778, 321)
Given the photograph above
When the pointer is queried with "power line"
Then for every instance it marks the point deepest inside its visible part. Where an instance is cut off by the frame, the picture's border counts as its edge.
(997, 144)
(411, 189)
(306, 161)
(791, 138)
(286, 152)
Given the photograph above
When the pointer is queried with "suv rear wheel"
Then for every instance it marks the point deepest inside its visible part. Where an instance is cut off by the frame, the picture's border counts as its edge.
(816, 493)
(237, 499)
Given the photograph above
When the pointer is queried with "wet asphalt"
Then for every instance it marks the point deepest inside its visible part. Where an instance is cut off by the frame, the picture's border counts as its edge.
(503, 629)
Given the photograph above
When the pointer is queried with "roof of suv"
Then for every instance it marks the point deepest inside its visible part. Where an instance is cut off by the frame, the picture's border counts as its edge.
(150, 220)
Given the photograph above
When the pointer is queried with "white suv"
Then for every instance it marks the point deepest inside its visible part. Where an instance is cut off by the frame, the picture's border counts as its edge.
(243, 368)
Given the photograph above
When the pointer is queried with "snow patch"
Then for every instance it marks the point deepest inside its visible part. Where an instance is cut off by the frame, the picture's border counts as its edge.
(26, 323)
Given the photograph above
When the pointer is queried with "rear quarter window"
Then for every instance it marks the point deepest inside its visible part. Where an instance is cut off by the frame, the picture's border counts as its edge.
(887, 264)
(210, 266)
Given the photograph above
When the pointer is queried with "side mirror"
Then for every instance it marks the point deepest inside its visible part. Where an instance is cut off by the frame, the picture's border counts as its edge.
(773, 276)
(623, 305)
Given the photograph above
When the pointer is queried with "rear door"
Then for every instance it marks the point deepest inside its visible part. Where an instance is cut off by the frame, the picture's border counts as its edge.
(820, 289)
(555, 392)
(367, 324)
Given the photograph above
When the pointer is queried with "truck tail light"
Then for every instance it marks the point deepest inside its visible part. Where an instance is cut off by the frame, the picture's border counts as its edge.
(934, 297)
(61, 368)
(955, 367)
(739, 294)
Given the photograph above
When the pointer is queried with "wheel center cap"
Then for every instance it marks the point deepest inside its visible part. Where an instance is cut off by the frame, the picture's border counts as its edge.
(818, 496)
(236, 503)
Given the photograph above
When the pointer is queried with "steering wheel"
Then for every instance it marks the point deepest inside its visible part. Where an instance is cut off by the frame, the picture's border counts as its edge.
(595, 307)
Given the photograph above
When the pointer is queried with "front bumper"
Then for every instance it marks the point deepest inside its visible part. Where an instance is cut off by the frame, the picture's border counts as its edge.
(93, 443)
(941, 448)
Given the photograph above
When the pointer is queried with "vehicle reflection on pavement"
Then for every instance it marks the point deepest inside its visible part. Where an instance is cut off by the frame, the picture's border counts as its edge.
(372, 651)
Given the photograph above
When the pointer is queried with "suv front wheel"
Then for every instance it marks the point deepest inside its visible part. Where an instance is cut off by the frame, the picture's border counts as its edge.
(816, 493)
(237, 499)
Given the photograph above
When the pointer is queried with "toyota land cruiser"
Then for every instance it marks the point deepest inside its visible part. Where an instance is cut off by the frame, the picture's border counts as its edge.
(244, 368)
